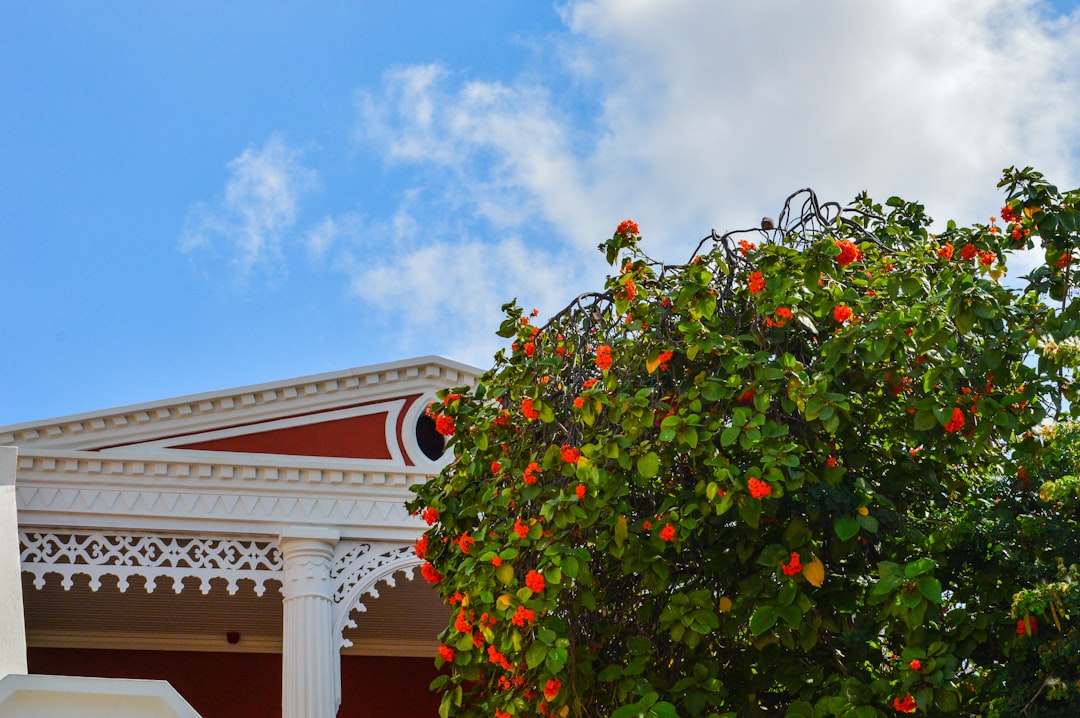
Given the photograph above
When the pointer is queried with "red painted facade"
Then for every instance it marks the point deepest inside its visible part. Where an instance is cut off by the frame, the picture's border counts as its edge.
(238, 685)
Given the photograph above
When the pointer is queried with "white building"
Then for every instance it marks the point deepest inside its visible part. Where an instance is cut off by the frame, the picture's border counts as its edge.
(250, 546)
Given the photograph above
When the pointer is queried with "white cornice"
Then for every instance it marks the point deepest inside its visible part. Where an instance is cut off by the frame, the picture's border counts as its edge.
(215, 643)
(217, 492)
(201, 412)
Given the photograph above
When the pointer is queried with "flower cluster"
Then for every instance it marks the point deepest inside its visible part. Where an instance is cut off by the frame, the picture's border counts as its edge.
(444, 424)
(532, 473)
(848, 252)
(956, 422)
(758, 488)
(523, 616)
(792, 567)
(1027, 626)
(430, 574)
(668, 532)
(907, 705)
(603, 357)
(527, 409)
(779, 318)
(628, 228)
(757, 282)
(535, 581)
(570, 454)
(430, 515)
(842, 313)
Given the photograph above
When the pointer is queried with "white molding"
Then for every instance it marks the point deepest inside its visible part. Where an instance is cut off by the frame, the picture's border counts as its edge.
(215, 643)
(209, 410)
(408, 436)
(210, 493)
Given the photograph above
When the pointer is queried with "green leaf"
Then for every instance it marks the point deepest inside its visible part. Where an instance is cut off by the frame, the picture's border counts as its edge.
(536, 654)
(648, 465)
(846, 527)
(763, 619)
(931, 588)
(925, 420)
(505, 573)
(729, 435)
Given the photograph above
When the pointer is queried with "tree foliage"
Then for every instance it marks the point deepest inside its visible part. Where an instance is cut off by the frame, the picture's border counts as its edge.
(778, 479)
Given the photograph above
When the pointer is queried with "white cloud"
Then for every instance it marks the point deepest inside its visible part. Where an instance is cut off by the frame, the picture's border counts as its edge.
(691, 115)
(259, 209)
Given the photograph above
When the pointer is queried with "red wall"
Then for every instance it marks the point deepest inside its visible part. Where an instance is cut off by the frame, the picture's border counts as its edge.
(226, 685)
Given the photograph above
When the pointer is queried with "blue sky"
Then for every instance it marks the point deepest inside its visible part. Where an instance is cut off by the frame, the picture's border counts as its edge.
(202, 195)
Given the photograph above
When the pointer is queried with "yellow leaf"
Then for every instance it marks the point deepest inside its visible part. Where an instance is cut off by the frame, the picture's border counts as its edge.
(814, 572)
(505, 573)
(863, 511)
(725, 604)
(652, 364)
(503, 601)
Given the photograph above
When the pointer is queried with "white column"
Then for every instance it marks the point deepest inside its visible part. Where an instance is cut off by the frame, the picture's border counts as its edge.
(310, 661)
(12, 627)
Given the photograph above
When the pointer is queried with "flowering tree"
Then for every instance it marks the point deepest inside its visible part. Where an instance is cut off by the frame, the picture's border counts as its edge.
(746, 485)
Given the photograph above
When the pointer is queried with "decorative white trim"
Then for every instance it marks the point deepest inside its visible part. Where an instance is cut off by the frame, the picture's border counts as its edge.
(216, 643)
(250, 494)
(152, 557)
(358, 568)
(210, 410)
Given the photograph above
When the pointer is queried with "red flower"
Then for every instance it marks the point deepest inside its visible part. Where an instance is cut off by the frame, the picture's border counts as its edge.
(757, 282)
(570, 454)
(782, 315)
(668, 532)
(589, 383)
(758, 488)
(523, 616)
(830, 462)
(968, 252)
(429, 573)
(529, 349)
(522, 530)
(907, 705)
(465, 543)
(629, 289)
(916, 664)
(535, 581)
(603, 357)
(532, 472)
(746, 397)
(848, 252)
(580, 490)
(421, 546)
(496, 561)
(664, 358)
(956, 422)
(447, 653)
(629, 228)
(792, 567)
(462, 623)
(498, 658)
(430, 515)
(495, 466)
(1008, 215)
(1027, 626)
(946, 251)
(987, 258)
(746, 246)
(841, 313)
(1060, 264)
(551, 690)
(579, 402)
(500, 713)
(646, 524)
(444, 424)
(527, 409)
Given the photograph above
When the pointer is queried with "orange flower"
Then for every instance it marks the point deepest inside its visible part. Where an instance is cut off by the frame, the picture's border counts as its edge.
(532, 473)
(848, 252)
(956, 422)
(495, 466)
(757, 282)
(1027, 626)
(429, 573)
(496, 561)
(668, 532)
(629, 228)
(430, 515)
(588, 383)
(987, 258)
(746, 246)
(794, 566)
(465, 543)
(758, 488)
(915, 665)
(535, 581)
(570, 454)
(579, 402)
(522, 530)
(444, 425)
(603, 357)
(529, 348)
(527, 409)
(968, 252)
(946, 251)
(523, 616)
(447, 653)
(551, 690)
(580, 490)
(907, 705)
(421, 546)
(841, 313)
